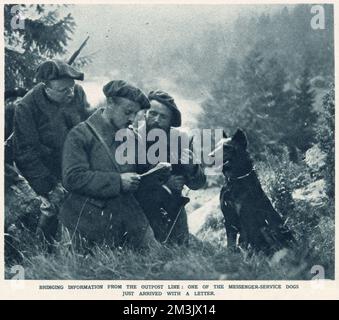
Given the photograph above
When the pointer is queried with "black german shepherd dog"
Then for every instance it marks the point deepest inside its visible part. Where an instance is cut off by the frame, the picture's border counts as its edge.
(246, 209)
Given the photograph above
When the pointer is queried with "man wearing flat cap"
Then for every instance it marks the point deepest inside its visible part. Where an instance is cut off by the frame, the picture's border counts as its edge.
(43, 118)
(164, 204)
(101, 207)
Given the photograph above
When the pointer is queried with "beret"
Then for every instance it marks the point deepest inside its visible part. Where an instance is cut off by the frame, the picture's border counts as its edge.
(122, 89)
(164, 98)
(57, 69)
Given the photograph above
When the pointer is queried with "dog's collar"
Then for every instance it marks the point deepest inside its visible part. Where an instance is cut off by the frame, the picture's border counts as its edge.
(241, 177)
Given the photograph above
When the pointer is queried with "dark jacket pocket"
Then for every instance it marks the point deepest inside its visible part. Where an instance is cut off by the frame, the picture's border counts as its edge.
(84, 215)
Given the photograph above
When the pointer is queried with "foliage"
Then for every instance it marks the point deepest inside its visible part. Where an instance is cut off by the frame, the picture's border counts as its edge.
(325, 136)
(45, 36)
(261, 83)
(265, 84)
(312, 225)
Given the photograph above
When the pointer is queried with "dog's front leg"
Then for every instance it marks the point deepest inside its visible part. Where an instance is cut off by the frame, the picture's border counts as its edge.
(231, 224)
(231, 232)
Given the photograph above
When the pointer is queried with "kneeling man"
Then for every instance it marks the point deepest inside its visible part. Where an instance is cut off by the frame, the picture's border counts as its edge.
(164, 204)
(101, 207)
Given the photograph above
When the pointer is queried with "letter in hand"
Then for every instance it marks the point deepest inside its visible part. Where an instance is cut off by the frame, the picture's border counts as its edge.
(159, 174)
(129, 181)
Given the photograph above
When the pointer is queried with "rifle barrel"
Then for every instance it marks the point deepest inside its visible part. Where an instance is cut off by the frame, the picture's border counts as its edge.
(76, 53)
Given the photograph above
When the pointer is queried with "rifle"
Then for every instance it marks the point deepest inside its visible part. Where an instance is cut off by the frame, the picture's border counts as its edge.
(20, 92)
(77, 52)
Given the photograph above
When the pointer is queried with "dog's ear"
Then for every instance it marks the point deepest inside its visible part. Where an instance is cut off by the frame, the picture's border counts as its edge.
(240, 138)
(224, 135)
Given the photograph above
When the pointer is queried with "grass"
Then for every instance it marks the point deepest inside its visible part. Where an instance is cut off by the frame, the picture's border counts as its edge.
(205, 259)
(201, 261)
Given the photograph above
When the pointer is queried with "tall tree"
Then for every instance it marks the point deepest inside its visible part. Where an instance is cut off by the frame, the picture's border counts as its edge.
(303, 117)
(257, 100)
(44, 36)
(325, 137)
(281, 103)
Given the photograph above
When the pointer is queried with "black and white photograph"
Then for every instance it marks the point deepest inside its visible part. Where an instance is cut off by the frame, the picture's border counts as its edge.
(169, 142)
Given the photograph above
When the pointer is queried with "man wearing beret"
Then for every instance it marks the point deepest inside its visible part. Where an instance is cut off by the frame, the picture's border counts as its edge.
(165, 115)
(43, 118)
(101, 207)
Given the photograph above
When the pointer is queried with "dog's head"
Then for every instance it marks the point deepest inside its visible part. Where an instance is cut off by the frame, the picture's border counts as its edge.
(236, 160)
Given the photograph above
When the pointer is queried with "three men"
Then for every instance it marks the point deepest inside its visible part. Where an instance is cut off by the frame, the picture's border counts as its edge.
(105, 204)
(43, 118)
(101, 207)
(164, 204)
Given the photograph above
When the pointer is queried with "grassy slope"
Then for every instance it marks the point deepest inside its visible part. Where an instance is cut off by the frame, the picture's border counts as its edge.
(204, 259)
(200, 261)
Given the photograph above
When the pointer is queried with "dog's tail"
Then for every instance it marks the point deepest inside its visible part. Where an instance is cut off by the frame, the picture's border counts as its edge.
(278, 237)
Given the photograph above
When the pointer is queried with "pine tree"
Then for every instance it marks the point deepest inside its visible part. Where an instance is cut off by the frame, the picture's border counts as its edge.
(281, 103)
(303, 116)
(257, 102)
(44, 36)
(325, 137)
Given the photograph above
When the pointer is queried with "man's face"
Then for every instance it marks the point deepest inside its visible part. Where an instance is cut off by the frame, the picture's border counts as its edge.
(158, 116)
(61, 91)
(121, 113)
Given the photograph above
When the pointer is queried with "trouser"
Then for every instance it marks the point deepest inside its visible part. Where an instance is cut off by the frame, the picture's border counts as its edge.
(180, 233)
(168, 229)
(162, 210)
(115, 222)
